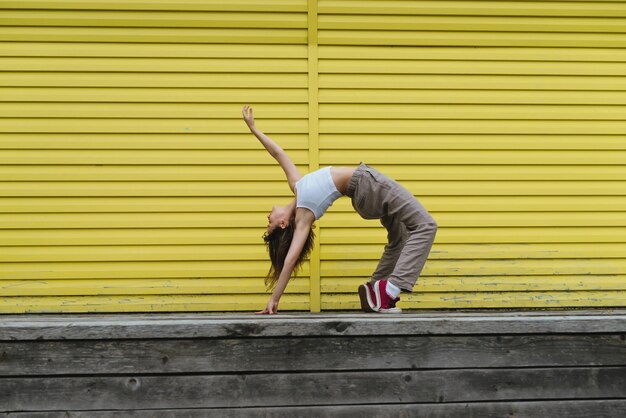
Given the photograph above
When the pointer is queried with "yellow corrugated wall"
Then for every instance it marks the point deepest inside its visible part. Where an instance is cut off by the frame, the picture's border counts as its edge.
(128, 181)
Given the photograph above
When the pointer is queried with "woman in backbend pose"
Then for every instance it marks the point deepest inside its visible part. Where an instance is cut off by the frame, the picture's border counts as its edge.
(289, 237)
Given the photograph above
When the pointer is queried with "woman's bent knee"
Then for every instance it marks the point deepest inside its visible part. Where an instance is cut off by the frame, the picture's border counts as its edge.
(429, 228)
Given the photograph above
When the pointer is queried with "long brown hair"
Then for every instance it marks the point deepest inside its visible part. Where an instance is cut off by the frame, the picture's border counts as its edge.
(278, 243)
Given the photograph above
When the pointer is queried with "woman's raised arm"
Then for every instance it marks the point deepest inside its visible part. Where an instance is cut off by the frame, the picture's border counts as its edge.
(292, 173)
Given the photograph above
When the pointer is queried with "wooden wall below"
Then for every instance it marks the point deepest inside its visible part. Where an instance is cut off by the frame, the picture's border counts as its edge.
(531, 364)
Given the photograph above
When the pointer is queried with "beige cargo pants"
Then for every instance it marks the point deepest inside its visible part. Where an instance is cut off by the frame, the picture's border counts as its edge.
(410, 228)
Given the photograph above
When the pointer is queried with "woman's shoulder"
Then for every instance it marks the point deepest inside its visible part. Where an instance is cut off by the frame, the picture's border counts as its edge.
(304, 217)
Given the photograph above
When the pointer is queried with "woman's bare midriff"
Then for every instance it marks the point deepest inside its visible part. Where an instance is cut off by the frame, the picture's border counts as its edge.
(341, 177)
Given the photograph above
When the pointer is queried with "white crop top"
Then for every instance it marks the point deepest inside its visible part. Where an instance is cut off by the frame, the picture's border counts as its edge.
(316, 191)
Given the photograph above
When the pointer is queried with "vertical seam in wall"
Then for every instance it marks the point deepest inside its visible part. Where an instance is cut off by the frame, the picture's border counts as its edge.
(314, 259)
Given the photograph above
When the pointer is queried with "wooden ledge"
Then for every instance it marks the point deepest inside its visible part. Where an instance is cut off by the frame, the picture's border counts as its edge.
(213, 325)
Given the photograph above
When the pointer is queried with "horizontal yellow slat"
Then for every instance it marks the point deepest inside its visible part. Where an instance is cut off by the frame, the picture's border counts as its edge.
(165, 157)
(222, 141)
(147, 303)
(453, 82)
(280, 189)
(462, 98)
(503, 203)
(428, 300)
(136, 236)
(352, 239)
(143, 204)
(188, 220)
(469, 157)
(476, 251)
(274, 173)
(515, 53)
(344, 252)
(327, 142)
(236, 204)
(73, 49)
(154, 64)
(488, 284)
(239, 96)
(500, 24)
(452, 126)
(135, 253)
(348, 220)
(455, 142)
(154, 35)
(203, 83)
(524, 235)
(160, 19)
(148, 125)
(570, 8)
(137, 270)
(146, 173)
(454, 111)
(70, 49)
(438, 67)
(301, 285)
(157, 110)
(174, 286)
(514, 267)
(584, 8)
(435, 38)
(194, 5)
(257, 251)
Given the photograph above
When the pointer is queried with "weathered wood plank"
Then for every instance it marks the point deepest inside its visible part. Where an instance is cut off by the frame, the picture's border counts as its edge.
(29, 327)
(536, 409)
(292, 389)
(244, 355)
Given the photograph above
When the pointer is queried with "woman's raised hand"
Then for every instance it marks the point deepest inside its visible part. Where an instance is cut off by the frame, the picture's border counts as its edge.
(248, 116)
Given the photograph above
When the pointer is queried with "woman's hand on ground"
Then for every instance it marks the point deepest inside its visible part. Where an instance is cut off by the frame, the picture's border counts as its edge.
(248, 117)
(271, 308)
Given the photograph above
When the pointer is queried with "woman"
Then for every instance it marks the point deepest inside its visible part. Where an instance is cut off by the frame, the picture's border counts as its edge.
(289, 237)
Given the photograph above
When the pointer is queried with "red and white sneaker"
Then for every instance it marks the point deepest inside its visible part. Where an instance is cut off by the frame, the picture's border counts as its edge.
(386, 304)
(368, 297)
(374, 298)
